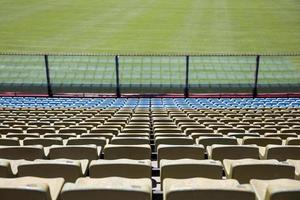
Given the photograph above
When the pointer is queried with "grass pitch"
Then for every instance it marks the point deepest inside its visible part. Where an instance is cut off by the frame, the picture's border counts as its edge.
(160, 26)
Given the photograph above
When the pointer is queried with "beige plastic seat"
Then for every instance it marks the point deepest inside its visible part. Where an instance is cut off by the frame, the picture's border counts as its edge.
(195, 136)
(279, 189)
(108, 136)
(282, 136)
(208, 141)
(277, 127)
(130, 140)
(189, 125)
(225, 131)
(4, 131)
(5, 169)
(39, 123)
(21, 136)
(70, 170)
(173, 141)
(133, 135)
(291, 130)
(24, 127)
(136, 130)
(262, 131)
(41, 131)
(60, 135)
(280, 152)
(30, 188)
(190, 168)
(167, 130)
(190, 131)
(62, 123)
(45, 142)
(136, 152)
(9, 142)
(84, 127)
(173, 152)
(13, 123)
(244, 170)
(169, 135)
(292, 141)
(208, 189)
(114, 131)
(56, 127)
(221, 152)
(242, 135)
(296, 164)
(111, 188)
(220, 126)
(75, 152)
(98, 141)
(78, 131)
(22, 152)
(261, 141)
(126, 168)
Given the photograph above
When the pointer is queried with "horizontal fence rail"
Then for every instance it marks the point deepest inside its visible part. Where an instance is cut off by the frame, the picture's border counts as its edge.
(152, 74)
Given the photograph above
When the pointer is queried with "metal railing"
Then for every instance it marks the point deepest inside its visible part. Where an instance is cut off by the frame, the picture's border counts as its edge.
(150, 74)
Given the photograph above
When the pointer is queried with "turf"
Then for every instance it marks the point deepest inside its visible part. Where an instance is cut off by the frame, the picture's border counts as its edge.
(153, 26)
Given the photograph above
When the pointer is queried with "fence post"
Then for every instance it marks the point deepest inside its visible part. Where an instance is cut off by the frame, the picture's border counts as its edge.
(256, 76)
(186, 89)
(50, 93)
(118, 93)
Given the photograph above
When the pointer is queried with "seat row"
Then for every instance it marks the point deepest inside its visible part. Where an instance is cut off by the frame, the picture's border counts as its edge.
(140, 152)
(174, 189)
(243, 170)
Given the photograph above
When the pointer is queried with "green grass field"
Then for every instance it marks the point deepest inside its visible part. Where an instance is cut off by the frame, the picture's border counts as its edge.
(146, 27)
(160, 26)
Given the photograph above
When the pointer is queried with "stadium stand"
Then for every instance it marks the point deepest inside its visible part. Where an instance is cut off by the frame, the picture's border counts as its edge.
(160, 148)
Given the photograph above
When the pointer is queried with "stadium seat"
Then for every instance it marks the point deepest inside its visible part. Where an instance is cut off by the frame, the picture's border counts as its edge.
(244, 170)
(173, 141)
(9, 142)
(261, 141)
(22, 152)
(276, 189)
(40, 131)
(135, 152)
(98, 141)
(108, 136)
(75, 152)
(30, 188)
(130, 140)
(173, 152)
(292, 141)
(190, 168)
(70, 170)
(208, 141)
(195, 136)
(45, 142)
(126, 168)
(280, 152)
(296, 164)
(221, 152)
(110, 188)
(193, 188)
(282, 136)
(21, 136)
(63, 136)
(5, 169)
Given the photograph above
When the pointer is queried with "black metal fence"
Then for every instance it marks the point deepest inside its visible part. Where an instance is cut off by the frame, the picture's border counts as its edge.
(150, 74)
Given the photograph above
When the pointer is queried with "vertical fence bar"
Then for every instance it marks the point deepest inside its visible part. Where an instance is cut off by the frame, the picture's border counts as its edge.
(50, 93)
(256, 76)
(187, 65)
(118, 93)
